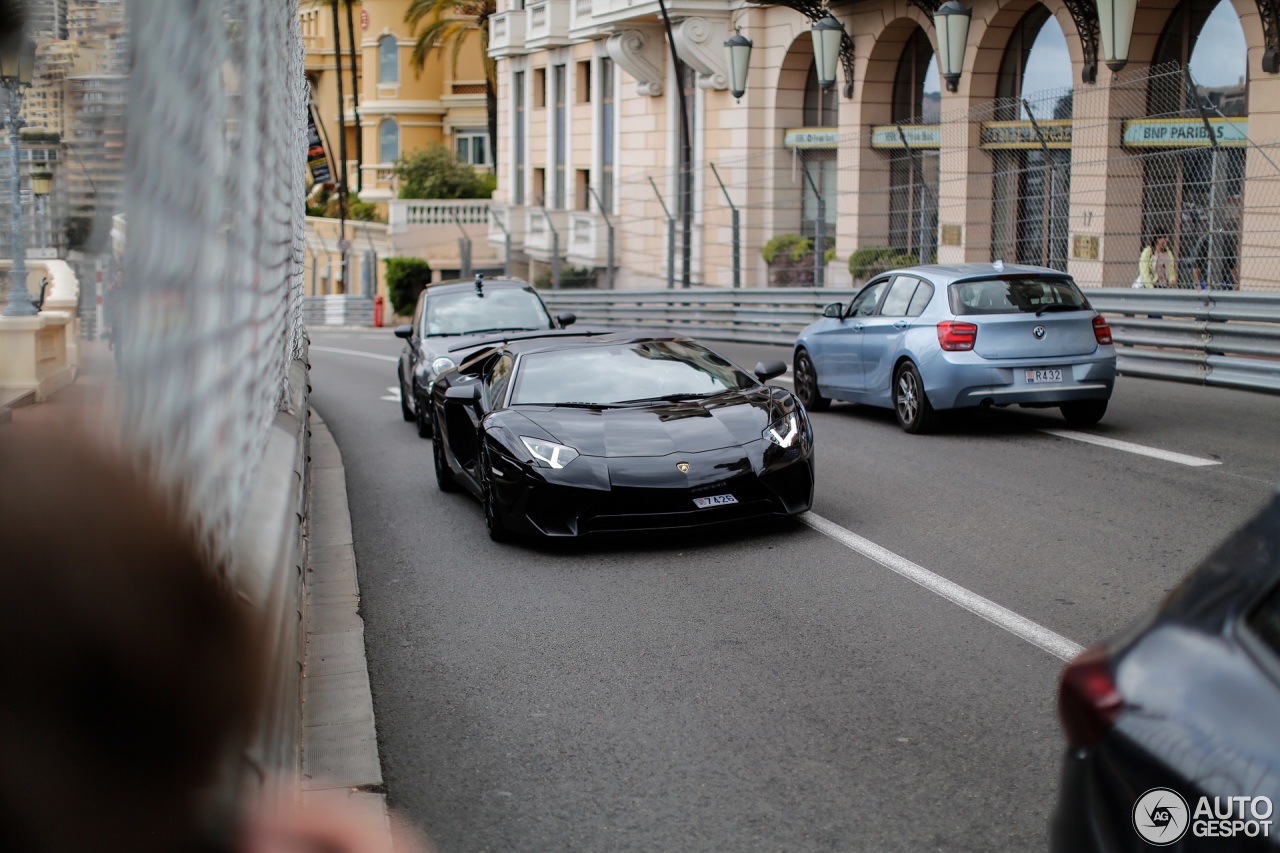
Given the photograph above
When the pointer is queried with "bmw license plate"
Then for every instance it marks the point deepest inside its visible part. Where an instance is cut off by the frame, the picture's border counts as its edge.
(714, 500)
(1039, 377)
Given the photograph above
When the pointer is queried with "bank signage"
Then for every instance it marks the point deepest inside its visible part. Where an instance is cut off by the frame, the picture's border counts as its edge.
(1184, 133)
(1000, 135)
(811, 137)
(921, 137)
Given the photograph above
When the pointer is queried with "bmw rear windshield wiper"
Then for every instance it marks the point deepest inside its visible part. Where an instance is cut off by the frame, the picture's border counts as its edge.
(1059, 306)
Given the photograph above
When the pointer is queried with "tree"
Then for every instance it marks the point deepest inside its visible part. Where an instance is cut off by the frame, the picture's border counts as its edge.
(451, 23)
(433, 172)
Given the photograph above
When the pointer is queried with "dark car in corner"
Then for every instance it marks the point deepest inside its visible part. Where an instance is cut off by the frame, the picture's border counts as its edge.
(566, 436)
(453, 317)
(1173, 730)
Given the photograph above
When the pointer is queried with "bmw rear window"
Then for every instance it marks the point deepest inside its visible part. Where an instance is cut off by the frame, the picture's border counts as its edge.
(1014, 295)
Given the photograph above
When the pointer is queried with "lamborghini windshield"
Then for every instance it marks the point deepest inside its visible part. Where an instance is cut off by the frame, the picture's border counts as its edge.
(633, 373)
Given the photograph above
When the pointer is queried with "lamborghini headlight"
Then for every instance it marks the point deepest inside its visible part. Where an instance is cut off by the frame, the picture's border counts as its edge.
(441, 364)
(548, 453)
(784, 432)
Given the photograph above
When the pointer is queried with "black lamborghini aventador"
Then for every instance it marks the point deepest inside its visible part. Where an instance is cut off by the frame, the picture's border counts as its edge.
(568, 436)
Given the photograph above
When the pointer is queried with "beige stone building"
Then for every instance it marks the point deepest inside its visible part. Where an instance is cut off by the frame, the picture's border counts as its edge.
(1042, 154)
(400, 109)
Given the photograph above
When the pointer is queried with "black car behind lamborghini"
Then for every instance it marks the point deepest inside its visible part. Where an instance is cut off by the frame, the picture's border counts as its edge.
(566, 436)
(453, 318)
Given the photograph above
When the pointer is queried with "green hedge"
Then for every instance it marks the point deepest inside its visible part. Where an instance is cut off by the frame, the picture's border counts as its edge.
(870, 261)
(406, 278)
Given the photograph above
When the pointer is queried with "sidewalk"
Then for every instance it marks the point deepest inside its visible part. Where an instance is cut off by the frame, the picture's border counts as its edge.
(91, 401)
(339, 743)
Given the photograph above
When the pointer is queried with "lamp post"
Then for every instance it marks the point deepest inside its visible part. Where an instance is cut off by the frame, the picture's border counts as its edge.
(41, 184)
(828, 34)
(952, 24)
(17, 63)
(1115, 25)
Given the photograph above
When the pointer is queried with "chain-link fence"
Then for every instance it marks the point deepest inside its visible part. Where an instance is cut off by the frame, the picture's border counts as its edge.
(206, 317)
(1150, 180)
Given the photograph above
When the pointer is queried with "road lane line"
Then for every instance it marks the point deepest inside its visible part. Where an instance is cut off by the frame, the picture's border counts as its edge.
(1129, 447)
(315, 348)
(1020, 626)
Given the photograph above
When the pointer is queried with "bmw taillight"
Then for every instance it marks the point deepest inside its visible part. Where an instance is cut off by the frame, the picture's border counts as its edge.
(1101, 330)
(953, 336)
(1088, 700)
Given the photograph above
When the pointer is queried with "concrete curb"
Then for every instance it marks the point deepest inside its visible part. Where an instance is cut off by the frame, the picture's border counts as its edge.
(339, 738)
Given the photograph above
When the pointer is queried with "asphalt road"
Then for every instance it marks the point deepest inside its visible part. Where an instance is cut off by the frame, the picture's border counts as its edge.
(770, 688)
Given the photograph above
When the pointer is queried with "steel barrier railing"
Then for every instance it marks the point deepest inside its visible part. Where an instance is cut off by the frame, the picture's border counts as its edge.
(1222, 338)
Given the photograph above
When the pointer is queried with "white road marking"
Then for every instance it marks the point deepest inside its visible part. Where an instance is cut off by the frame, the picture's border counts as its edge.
(1129, 447)
(356, 352)
(1019, 626)
(394, 393)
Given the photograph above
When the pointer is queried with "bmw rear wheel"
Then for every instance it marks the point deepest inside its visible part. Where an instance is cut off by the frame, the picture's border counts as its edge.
(915, 413)
(492, 518)
(807, 383)
(444, 477)
(1084, 412)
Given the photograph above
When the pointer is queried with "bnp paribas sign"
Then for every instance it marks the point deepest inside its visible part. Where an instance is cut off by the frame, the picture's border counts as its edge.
(1185, 133)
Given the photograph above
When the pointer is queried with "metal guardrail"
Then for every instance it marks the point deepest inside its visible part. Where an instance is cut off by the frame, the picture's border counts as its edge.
(1222, 338)
(337, 310)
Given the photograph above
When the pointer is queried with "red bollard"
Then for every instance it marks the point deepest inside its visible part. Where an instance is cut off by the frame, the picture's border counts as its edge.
(377, 311)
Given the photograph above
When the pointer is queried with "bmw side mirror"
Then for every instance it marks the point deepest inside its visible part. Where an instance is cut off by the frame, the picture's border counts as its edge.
(568, 318)
(835, 309)
(405, 331)
(766, 370)
(462, 394)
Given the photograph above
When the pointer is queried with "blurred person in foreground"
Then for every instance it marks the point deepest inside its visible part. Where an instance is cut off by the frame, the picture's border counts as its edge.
(131, 674)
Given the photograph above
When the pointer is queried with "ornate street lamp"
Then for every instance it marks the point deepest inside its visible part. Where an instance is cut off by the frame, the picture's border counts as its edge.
(17, 64)
(828, 34)
(737, 55)
(951, 22)
(1115, 25)
(41, 182)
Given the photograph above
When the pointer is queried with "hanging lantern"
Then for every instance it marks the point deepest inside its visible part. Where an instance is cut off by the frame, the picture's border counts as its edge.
(41, 182)
(951, 22)
(828, 34)
(737, 54)
(18, 60)
(1115, 26)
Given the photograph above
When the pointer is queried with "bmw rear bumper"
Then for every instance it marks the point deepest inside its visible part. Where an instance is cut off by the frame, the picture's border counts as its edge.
(960, 380)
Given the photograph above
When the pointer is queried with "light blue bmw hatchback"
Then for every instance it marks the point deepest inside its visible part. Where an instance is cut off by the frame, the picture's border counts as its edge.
(931, 338)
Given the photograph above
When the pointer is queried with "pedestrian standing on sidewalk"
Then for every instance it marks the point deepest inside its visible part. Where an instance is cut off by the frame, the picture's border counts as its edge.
(1157, 267)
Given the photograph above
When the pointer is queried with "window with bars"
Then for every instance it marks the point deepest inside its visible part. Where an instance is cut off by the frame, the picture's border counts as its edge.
(561, 136)
(518, 128)
(607, 141)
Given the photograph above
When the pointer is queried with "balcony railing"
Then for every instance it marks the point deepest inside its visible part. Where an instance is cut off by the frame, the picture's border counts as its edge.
(506, 33)
(513, 218)
(403, 214)
(547, 24)
(588, 243)
(540, 224)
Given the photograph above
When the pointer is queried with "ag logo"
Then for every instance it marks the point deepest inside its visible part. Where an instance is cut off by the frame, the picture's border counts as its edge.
(1160, 817)
(1039, 332)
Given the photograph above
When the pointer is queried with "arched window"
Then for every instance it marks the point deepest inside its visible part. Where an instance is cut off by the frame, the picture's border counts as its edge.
(913, 174)
(1031, 187)
(388, 60)
(388, 141)
(821, 109)
(1193, 195)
